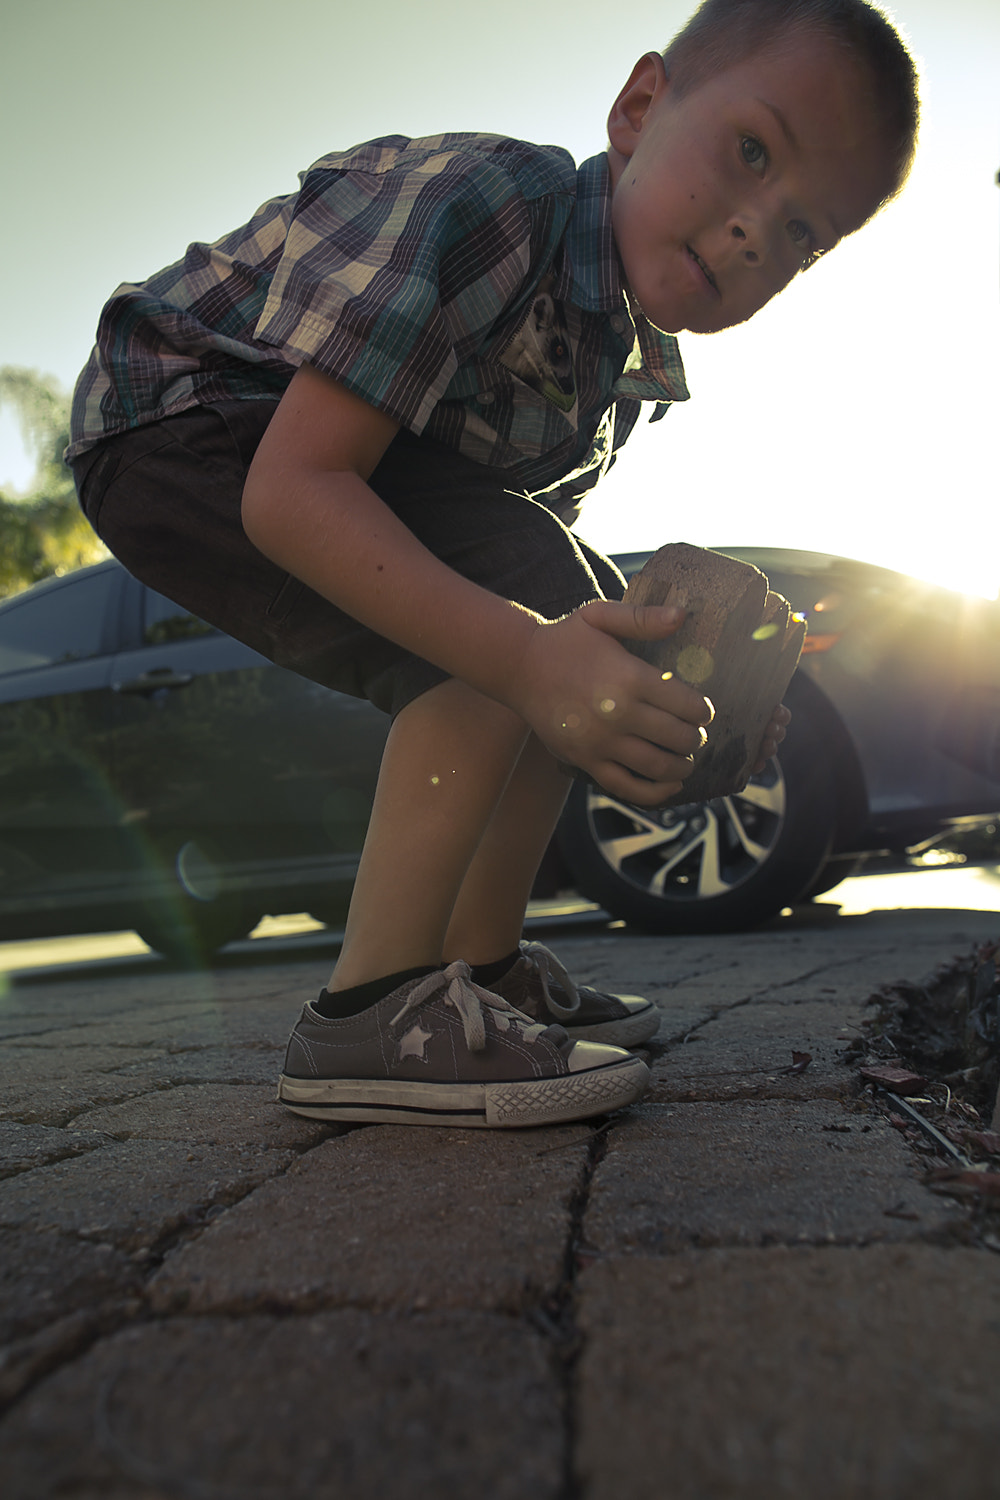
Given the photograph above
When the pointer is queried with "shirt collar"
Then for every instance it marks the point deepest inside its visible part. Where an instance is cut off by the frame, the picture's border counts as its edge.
(590, 277)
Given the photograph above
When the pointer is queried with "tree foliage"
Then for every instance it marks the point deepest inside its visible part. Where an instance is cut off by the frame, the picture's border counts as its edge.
(43, 531)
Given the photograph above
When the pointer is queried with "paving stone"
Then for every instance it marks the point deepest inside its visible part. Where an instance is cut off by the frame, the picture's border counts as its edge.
(55, 1101)
(678, 1018)
(31, 1062)
(214, 1114)
(319, 1407)
(207, 1024)
(735, 1375)
(46, 1276)
(755, 1173)
(393, 1244)
(243, 1065)
(130, 1193)
(23, 1147)
(17, 1025)
(386, 1217)
(745, 1053)
(705, 977)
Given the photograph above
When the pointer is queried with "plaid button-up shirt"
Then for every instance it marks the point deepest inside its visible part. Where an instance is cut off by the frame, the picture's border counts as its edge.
(409, 270)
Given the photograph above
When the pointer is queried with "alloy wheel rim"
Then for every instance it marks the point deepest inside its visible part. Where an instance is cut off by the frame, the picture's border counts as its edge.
(697, 852)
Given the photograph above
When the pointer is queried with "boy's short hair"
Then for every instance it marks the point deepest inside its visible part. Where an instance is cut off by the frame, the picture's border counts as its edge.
(722, 33)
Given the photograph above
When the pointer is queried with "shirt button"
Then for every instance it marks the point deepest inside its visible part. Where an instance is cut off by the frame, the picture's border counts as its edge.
(485, 398)
(618, 323)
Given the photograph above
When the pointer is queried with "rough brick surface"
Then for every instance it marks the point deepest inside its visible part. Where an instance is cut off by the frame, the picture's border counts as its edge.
(463, 1406)
(741, 1288)
(774, 1375)
(387, 1217)
(768, 1172)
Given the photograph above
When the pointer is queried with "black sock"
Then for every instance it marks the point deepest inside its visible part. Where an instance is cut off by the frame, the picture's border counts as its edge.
(485, 974)
(351, 1002)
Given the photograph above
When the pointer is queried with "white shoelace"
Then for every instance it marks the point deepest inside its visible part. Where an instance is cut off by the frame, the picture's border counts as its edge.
(468, 999)
(549, 969)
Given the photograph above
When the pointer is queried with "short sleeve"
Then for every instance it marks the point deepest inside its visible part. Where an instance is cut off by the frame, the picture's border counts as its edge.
(391, 276)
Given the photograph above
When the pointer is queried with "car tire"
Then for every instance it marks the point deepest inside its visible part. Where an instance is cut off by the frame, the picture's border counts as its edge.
(715, 866)
(190, 935)
(197, 915)
(840, 868)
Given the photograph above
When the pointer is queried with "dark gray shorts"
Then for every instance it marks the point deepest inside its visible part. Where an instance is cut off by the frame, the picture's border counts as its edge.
(166, 500)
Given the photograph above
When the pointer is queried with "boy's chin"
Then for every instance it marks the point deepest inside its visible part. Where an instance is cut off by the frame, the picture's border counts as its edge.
(715, 322)
(684, 319)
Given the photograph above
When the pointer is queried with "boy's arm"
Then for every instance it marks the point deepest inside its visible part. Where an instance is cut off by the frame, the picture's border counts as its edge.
(307, 506)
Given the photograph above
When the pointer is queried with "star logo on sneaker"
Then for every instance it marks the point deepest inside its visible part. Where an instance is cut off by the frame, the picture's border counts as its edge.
(414, 1043)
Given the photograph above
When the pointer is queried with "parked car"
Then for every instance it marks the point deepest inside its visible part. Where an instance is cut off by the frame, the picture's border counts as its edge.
(156, 774)
(894, 746)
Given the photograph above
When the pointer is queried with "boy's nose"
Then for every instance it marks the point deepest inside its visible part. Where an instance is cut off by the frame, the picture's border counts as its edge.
(750, 254)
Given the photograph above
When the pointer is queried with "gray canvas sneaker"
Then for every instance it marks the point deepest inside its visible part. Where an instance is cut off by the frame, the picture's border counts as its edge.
(441, 1051)
(539, 985)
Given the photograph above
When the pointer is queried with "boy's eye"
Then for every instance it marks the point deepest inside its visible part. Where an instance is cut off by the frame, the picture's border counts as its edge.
(753, 153)
(802, 238)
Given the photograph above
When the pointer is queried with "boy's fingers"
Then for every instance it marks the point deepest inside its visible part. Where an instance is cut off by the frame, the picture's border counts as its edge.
(653, 764)
(773, 736)
(633, 622)
(651, 622)
(678, 735)
(618, 781)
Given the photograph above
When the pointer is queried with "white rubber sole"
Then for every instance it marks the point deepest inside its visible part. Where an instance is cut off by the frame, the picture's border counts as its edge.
(482, 1106)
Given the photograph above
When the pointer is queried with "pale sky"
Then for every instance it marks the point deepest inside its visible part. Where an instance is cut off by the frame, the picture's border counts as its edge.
(858, 413)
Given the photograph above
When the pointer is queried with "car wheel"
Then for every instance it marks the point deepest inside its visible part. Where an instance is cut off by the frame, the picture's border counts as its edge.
(198, 916)
(191, 935)
(713, 866)
(832, 873)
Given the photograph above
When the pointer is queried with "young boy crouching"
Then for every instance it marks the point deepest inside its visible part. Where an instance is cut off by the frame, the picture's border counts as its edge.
(351, 434)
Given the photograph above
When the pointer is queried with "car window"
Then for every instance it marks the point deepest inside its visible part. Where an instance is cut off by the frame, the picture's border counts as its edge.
(163, 621)
(58, 623)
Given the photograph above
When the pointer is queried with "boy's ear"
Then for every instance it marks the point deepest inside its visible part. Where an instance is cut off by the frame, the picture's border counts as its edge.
(647, 79)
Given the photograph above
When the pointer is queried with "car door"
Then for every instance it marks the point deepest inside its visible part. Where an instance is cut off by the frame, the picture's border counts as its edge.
(64, 840)
(235, 773)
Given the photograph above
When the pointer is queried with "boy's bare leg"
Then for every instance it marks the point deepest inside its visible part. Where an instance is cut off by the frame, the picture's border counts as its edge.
(488, 918)
(447, 760)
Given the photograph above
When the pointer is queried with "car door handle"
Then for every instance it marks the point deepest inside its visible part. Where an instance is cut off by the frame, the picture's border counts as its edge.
(153, 681)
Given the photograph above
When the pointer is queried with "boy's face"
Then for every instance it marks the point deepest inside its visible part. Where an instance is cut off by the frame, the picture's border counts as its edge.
(720, 196)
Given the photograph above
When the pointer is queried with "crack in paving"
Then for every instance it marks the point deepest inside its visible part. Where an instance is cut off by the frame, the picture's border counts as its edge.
(661, 1046)
(555, 1316)
(32, 1357)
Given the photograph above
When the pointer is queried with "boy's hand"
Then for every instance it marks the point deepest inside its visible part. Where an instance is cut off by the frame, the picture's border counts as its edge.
(595, 705)
(773, 736)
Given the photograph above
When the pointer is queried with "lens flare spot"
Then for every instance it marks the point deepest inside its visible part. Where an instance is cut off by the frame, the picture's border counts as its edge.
(666, 676)
(765, 632)
(607, 705)
(571, 722)
(435, 781)
(695, 664)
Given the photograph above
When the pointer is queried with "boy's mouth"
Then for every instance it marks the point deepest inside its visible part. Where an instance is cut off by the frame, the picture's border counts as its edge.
(703, 269)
